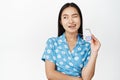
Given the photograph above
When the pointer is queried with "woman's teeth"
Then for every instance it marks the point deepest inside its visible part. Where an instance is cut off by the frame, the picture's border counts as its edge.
(71, 26)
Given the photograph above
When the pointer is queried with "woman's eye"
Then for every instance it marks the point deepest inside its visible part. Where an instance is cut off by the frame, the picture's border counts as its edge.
(64, 17)
(75, 16)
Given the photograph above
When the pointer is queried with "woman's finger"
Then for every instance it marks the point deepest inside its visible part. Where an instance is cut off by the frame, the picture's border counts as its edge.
(94, 38)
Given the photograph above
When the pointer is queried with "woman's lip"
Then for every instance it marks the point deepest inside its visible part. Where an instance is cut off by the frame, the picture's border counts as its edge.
(72, 26)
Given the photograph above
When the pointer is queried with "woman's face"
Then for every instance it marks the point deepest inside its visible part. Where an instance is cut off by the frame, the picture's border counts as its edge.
(70, 19)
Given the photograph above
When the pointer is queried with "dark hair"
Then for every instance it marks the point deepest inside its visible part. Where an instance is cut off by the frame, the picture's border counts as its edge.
(61, 30)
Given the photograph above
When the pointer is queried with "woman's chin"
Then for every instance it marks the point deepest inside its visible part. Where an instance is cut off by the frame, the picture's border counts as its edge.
(72, 31)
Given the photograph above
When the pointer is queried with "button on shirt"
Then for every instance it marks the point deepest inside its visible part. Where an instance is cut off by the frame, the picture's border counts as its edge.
(70, 63)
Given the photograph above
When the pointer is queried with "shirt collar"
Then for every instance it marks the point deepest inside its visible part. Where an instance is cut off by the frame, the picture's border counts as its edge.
(62, 39)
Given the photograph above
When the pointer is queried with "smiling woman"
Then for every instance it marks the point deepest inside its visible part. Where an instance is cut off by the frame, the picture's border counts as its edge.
(68, 56)
(70, 20)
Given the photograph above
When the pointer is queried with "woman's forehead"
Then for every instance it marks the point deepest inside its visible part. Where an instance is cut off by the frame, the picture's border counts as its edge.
(69, 11)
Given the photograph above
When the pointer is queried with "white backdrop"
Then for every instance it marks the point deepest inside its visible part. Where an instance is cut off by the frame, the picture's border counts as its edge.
(25, 25)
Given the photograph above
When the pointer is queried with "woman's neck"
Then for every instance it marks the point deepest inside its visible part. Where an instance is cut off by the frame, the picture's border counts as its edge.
(71, 36)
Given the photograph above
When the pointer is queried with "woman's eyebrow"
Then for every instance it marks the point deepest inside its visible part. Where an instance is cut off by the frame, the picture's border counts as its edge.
(74, 14)
(65, 15)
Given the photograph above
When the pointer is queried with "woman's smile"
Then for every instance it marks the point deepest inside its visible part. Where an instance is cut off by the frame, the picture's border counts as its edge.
(72, 26)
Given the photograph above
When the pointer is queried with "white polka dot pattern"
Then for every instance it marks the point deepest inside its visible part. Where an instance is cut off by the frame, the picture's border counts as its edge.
(70, 63)
(76, 58)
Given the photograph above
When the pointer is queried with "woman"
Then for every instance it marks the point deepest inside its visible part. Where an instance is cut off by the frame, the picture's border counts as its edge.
(68, 56)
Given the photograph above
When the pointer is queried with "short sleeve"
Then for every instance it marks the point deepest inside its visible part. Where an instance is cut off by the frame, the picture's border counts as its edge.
(49, 51)
(87, 54)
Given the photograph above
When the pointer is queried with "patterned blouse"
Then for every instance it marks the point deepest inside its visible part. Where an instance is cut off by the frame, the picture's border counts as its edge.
(69, 63)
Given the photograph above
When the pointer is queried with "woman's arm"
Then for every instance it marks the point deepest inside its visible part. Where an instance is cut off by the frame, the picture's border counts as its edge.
(52, 74)
(89, 69)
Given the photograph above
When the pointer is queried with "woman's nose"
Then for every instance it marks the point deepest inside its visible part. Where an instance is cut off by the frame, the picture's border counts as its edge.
(70, 20)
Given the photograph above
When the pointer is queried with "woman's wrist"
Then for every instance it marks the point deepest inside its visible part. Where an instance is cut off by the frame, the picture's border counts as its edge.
(94, 53)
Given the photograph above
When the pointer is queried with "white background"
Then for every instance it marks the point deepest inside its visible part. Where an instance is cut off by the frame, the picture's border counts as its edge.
(25, 25)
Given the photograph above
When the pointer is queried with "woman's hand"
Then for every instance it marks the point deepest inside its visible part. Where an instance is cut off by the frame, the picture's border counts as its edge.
(95, 44)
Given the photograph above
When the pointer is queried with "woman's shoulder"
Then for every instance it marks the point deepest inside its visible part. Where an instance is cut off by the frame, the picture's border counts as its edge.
(52, 39)
(83, 41)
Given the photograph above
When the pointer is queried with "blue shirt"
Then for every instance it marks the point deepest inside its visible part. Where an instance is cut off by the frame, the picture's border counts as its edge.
(70, 63)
